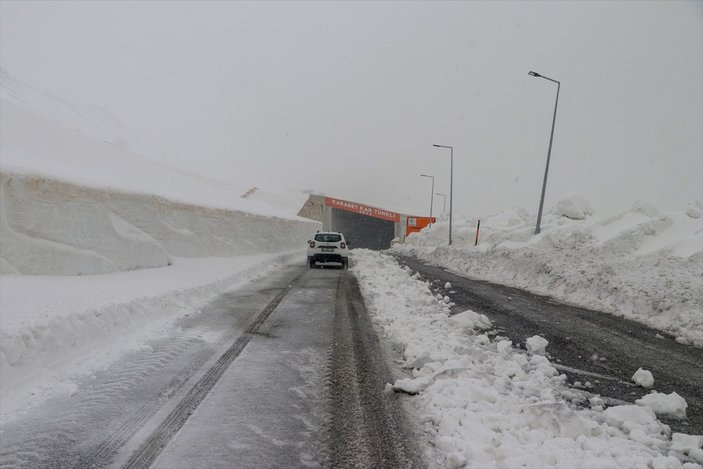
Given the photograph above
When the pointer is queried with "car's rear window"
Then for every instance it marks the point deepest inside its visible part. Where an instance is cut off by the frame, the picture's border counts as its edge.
(328, 237)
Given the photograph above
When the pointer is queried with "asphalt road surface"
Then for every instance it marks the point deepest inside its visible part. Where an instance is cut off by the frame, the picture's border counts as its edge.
(588, 346)
(283, 373)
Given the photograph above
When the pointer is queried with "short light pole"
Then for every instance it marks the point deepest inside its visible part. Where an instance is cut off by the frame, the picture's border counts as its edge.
(444, 207)
(451, 179)
(431, 192)
(549, 152)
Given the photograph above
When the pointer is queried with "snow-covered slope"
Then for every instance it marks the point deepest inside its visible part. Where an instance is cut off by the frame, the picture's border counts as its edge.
(45, 136)
(76, 198)
(641, 264)
(50, 227)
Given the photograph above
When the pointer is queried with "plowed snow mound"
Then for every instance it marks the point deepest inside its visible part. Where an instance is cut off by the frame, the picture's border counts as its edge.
(639, 264)
(50, 227)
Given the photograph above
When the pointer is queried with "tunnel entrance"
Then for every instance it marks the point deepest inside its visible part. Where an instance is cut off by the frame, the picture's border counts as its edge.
(364, 225)
(364, 231)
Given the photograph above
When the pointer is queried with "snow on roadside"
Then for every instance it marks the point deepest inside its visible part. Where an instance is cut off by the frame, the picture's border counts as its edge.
(640, 264)
(80, 196)
(485, 404)
(55, 328)
(48, 227)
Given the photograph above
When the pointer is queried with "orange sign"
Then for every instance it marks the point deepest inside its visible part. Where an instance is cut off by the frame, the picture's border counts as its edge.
(415, 224)
(362, 209)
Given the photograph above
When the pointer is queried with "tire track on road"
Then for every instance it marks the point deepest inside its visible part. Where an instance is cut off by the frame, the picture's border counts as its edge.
(58, 437)
(150, 449)
(368, 427)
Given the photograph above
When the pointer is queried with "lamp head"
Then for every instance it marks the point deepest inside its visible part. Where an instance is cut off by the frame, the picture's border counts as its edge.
(534, 74)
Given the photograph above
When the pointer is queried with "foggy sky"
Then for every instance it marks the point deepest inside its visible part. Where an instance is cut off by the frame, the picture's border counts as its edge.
(348, 98)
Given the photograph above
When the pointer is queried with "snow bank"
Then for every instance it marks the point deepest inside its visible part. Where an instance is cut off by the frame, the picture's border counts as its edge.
(639, 264)
(78, 196)
(56, 228)
(56, 328)
(484, 404)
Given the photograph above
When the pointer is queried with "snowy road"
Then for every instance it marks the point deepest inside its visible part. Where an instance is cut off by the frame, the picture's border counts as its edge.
(589, 347)
(284, 373)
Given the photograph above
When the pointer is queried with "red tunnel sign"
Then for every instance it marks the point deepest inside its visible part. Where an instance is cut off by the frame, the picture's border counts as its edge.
(362, 209)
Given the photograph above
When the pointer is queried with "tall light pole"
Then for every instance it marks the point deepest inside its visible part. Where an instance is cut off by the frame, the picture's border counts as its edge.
(431, 194)
(444, 207)
(549, 152)
(451, 179)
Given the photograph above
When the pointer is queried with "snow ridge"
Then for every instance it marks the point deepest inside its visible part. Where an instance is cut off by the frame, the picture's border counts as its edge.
(49, 227)
(639, 264)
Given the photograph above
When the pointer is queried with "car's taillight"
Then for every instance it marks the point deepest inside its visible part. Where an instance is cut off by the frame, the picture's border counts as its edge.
(343, 245)
(312, 244)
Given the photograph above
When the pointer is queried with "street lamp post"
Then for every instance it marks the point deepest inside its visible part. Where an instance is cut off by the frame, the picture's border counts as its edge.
(549, 152)
(431, 192)
(444, 207)
(451, 179)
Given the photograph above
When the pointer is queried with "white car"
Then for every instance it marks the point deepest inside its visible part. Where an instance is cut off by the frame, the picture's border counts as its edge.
(328, 246)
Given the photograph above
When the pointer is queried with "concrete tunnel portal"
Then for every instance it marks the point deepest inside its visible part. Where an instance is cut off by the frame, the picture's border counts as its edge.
(363, 231)
(365, 226)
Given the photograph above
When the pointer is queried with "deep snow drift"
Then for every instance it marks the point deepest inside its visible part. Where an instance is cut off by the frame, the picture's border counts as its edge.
(483, 403)
(641, 264)
(50, 227)
(76, 198)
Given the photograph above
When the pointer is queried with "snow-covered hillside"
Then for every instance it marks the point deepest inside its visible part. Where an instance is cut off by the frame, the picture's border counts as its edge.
(50, 227)
(77, 198)
(640, 264)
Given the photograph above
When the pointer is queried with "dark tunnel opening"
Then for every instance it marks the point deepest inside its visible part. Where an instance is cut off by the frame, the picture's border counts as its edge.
(364, 231)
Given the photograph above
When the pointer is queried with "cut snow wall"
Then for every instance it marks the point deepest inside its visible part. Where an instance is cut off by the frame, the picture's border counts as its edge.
(56, 228)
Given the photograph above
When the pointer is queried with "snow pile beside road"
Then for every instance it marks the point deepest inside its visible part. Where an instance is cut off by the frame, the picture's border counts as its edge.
(57, 327)
(53, 228)
(485, 404)
(639, 264)
(76, 199)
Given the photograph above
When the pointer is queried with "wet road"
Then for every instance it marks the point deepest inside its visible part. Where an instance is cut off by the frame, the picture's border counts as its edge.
(588, 346)
(283, 373)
